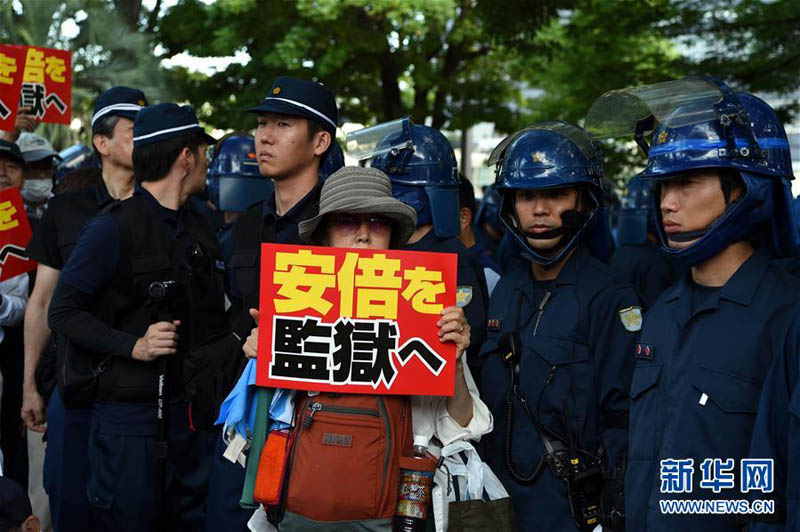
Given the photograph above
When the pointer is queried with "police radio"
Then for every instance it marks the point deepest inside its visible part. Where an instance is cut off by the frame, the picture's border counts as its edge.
(594, 492)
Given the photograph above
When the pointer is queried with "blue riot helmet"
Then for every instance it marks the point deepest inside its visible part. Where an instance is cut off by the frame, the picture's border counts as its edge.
(233, 181)
(551, 155)
(489, 209)
(699, 123)
(422, 166)
(332, 161)
(635, 213)
(73, 158)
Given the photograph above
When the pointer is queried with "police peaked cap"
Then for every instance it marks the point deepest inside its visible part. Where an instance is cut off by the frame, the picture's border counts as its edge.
(296, 97)
(167, 121)
(118, 101)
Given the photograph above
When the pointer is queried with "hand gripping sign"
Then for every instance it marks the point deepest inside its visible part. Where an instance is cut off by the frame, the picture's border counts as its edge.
(355, 320)
(37, 78)
(15, 232)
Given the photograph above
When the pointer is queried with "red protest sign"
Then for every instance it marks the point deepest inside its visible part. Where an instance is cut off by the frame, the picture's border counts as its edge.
(355, 320)
(15, 232)
(40, 79)
(12, 64)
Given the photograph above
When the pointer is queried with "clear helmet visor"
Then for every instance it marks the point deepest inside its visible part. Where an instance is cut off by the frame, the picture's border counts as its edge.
(371, 142)
(574, 134)
(626, 112)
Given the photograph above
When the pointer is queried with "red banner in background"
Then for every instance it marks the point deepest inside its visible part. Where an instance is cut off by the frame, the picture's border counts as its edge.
(37, 78)
(15, 232)
(355, 320)
(12, 64)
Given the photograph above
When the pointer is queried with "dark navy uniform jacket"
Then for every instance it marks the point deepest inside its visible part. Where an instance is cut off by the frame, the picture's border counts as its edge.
(695, 390)
(579, 354)
(471, 286)
(646, 268)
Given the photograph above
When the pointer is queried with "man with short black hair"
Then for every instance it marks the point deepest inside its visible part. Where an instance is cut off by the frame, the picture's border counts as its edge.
(15, 508)
(66, 466)
(158, 292)
(296, 129)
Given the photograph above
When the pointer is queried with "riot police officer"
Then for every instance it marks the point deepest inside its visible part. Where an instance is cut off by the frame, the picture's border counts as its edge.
(66, 466)
(234, 183)
(422, 166)
(468, 235)
(721, 165)
(129, 320)
(638, 259)
(556, 363)
(488, 228)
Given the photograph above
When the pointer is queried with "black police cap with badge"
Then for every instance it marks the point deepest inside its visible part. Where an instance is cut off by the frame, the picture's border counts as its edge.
(296, 97)
(167, 121)
(118, 101)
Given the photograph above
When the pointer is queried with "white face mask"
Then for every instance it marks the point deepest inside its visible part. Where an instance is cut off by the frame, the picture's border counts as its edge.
(37, 190)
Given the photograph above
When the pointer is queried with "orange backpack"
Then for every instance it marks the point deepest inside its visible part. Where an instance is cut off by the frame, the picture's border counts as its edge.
(343, 463)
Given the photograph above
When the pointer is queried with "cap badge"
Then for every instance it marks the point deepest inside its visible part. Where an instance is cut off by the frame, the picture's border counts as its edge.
(276, 90)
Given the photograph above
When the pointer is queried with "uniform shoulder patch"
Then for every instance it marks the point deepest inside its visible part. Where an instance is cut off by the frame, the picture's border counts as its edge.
(631, 318)
(463, 295)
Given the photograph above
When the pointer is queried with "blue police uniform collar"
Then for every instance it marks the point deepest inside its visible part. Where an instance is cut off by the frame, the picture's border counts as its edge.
(268, 208)
(424, 243)
(568, 275)
(740, 288)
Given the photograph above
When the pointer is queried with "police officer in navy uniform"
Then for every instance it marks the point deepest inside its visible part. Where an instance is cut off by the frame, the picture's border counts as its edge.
(131, 316)
(66, 466)
(721, 165)
(422, 166)
(556, 361)
(295, 146)
(638, 259)
(468, 235)
(488, 228)
(234, 183)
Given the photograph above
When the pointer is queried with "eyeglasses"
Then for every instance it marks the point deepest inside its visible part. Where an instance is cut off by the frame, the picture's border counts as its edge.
(351, 223)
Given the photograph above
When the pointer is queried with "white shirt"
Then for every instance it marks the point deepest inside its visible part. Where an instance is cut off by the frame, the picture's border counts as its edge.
(13, 298)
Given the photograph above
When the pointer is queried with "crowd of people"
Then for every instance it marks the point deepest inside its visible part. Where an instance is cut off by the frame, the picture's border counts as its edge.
(607, 355)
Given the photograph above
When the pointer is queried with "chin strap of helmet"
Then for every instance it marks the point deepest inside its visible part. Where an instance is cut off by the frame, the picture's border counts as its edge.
(572, 221)
(727, 182)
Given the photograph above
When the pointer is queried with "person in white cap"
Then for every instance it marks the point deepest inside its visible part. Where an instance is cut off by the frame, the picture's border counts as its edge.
(38, 188)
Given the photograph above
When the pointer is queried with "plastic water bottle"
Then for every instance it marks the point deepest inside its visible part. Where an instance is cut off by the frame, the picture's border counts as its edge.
(413, 497)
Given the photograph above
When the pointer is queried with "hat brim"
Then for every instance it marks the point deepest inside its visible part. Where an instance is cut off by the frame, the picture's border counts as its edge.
(286, 108)
(404, 217)
(37, 155)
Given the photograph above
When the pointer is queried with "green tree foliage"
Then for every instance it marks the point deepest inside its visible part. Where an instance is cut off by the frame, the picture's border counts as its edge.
(435, 60)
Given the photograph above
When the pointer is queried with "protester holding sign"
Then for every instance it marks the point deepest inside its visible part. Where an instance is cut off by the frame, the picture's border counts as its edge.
(357, 211)
(14, 234)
